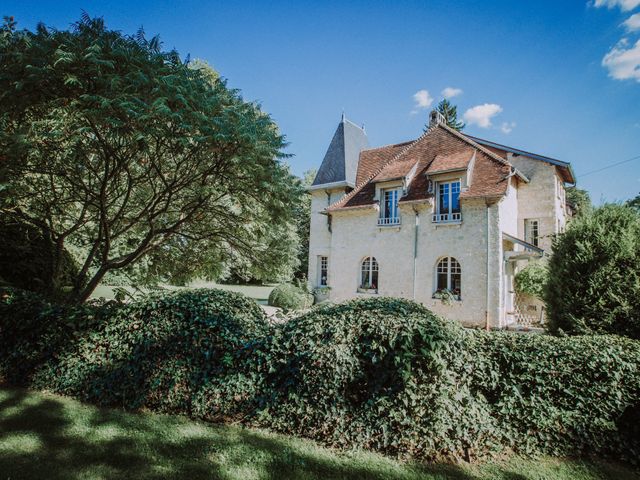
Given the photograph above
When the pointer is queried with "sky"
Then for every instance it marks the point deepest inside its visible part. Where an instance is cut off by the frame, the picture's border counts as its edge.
(558, 78)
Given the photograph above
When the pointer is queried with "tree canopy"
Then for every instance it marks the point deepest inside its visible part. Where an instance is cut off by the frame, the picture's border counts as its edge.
(579, 200)
(130, 159)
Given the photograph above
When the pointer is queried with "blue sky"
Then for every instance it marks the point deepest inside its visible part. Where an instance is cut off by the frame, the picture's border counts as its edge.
(559, 78)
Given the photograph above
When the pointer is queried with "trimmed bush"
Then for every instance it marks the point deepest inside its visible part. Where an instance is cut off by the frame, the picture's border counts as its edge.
(289, 297)
(594, 274)
(561, 396)
(383, 374)
(188, 352)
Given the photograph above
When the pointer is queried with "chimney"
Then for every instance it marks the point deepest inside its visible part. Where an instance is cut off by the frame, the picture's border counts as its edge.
(435, 118)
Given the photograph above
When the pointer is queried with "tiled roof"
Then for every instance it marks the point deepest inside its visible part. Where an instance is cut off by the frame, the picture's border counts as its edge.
(564, 167)
(371, 160)
(453, 161)
(396, 161)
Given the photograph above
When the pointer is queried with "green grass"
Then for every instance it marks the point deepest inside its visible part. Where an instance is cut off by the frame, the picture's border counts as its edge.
(52, 437)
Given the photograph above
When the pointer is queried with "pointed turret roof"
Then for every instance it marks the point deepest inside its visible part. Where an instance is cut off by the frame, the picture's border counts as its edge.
(340, 163)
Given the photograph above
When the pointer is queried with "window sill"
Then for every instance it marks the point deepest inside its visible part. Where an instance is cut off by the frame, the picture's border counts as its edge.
(368, 291)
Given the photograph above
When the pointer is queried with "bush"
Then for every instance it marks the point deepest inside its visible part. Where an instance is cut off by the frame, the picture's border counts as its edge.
(32, 331)
(383, 374)
(531, 280)
(560, 395)
(594, 274)
(184, 352)
(290, 297)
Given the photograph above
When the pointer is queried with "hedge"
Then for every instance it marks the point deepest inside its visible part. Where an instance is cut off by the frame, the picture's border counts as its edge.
(290, 297)
(382, 374)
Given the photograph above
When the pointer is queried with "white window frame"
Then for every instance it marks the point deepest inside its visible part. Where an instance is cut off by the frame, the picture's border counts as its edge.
(446, 265)
(369, 265)
(323, 264)
(449, 216)
(386, 217)
(532, 231)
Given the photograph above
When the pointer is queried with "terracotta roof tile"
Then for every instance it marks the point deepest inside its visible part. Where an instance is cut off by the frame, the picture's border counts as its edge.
(440, 143)
(453, 161)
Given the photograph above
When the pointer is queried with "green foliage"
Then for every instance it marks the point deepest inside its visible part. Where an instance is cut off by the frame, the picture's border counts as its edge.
(531, 280)
(187, 352)
(135, 160)
(383, 374)
(450, 113)
(635, 203)
(303, 224)
(579, 200)
(561, 395)
(290, 297)
(594, 274)
(26, 261)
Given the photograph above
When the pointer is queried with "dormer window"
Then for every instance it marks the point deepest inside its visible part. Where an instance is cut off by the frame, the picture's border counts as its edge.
(389, 214)
(448, 202)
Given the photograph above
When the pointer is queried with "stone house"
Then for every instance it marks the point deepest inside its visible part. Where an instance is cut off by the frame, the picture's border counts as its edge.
(445, 220)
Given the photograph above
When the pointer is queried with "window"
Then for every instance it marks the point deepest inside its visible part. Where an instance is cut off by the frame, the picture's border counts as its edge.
(323, 271)
(369, 274)
(389, 214)
(448, 203)
(531, 231)
(449, 276)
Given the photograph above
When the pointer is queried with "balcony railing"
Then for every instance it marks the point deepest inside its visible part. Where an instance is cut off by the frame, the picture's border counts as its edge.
(455, 217)
(387, 221)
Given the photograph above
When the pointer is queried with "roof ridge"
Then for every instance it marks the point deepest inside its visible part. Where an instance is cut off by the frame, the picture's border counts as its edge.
(353, 123)
(474, 144)
(507, 148)
(359, 187)
(389, 145)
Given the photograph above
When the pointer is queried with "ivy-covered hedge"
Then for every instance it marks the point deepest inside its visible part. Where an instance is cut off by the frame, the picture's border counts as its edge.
(382, 374)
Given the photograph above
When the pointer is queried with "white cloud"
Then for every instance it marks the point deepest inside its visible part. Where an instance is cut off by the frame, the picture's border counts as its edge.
(624, 5)
(507, 127)
(632, 23)
(623, 63)
(451, 92)
(422, 99)
(481, 115)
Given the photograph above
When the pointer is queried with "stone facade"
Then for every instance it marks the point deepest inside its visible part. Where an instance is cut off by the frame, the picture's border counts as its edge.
(408, 253)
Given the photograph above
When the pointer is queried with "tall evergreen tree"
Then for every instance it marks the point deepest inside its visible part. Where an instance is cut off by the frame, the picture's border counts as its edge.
(450, 113)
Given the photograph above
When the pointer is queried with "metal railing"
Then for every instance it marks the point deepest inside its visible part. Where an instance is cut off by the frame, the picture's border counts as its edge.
(447, 217)
(386, 221)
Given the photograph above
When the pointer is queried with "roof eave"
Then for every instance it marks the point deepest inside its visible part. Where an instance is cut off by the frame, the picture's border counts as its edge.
(328, 186)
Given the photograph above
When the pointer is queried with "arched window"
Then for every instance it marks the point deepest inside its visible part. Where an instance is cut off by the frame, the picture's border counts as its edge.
(369, 274)
(449, 276)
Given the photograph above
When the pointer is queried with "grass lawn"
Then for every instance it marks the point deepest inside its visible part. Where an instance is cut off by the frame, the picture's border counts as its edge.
(52, 437)
(260, 293)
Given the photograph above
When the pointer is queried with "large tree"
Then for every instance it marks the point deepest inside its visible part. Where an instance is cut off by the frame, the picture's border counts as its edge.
(125, 156)
(635, 203)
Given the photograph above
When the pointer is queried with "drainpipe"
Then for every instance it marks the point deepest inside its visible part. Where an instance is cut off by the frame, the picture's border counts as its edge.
(415, 251)
(486, 313)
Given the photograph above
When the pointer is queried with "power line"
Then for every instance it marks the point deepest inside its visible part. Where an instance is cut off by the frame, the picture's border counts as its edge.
(637, 157)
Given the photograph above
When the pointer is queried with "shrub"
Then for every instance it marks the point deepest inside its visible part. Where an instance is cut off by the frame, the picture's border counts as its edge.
(385, 374)
(290, 297)
(594, 274)
(531, 280)
(184, 352)
(560, 395)
(32, 331)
